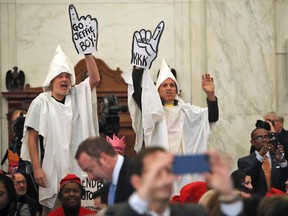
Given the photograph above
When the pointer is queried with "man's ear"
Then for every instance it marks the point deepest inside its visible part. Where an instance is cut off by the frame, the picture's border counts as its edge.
(106, 160)
(135, 181)
(103, 159)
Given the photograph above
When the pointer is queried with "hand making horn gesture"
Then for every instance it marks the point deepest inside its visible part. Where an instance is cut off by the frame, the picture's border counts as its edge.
(145, 46)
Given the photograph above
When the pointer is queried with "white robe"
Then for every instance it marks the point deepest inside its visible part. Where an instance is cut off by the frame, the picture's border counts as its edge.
(182, 129)
(63, 127)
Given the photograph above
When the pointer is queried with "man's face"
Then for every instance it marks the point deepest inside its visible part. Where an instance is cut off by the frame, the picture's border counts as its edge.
(168, 90)
(71, 195)
(278, 125)
(160, 192)
(20, 184)
(98, 204)
(93, 167)
(259, 138)
(61, 85)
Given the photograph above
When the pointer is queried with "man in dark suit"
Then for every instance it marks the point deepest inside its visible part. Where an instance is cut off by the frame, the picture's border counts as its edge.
(152, 178)
(99, 160)
(252, 163)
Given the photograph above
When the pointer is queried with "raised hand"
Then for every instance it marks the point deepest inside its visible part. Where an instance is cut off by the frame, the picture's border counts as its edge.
(279, 154)
(208, 86)
(84, 32)
(145, 46)
(219, 177)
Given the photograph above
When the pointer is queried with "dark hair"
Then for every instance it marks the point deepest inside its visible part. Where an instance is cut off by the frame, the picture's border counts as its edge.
(238, 180)
(276, 205)
(12, 196)
(263, 124)
(94, 146)
(137, 163)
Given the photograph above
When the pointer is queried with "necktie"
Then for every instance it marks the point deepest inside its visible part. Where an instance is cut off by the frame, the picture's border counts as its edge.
(111, 194)
(267, 171)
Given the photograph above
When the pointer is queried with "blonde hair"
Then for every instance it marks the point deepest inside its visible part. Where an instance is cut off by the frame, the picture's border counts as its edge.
(210, 201)
(275, 115)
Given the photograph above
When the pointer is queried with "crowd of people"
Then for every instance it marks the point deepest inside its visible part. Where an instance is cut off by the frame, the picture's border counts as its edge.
(61, 140)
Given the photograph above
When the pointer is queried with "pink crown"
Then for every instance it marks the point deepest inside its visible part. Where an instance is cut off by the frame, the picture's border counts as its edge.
(118, 144)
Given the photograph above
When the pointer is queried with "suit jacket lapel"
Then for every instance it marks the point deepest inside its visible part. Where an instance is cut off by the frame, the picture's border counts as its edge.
(121, 181)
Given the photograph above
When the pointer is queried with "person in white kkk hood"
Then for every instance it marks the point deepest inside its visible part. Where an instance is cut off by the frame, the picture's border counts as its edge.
(57, 121)
(159, 116)
(177, 126)
(168, 121)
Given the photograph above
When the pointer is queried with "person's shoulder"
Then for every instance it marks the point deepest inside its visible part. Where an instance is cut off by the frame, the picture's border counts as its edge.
(29, 199)
(44, 96)
(86, 211)
(247, 157)
(23, 209)
(284, 131)
(57, 212)
(120, 209)
(188, 209)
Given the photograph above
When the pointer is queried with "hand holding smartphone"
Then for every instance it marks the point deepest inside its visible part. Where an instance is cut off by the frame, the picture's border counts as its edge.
(188, 164)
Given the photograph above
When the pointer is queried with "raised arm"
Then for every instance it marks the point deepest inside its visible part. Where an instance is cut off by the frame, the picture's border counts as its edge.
(85, 39)
(209, 88)
(93, 72)
(137, 79)
(144, 52)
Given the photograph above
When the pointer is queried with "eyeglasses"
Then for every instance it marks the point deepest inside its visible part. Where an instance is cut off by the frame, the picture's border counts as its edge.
(20, 182)
(261, 138)
(272, 121)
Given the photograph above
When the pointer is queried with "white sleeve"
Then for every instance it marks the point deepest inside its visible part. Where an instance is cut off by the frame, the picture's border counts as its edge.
(232, 209)
(137, 203)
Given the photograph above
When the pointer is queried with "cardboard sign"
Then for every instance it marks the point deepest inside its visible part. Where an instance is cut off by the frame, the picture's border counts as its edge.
(145, 46)
(84, 32)
(90, 186)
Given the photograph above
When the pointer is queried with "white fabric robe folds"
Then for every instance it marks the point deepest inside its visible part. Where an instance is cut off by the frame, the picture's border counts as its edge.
(182, 129)
(63, 127)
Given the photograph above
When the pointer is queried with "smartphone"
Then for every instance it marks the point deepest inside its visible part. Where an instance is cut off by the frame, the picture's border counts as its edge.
(196, 163)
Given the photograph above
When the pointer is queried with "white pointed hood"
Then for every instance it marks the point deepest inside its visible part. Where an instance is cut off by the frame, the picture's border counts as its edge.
(59, 64)
(164, 74)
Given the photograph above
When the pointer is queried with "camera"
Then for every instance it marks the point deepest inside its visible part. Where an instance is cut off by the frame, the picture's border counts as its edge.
(18, 126)
(273, 139)
(263, 124)
(109, 121)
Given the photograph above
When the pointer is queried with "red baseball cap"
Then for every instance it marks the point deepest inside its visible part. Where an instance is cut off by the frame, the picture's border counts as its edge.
(70, 178)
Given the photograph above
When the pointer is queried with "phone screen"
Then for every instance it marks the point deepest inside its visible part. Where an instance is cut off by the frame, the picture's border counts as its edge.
(197, 163)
